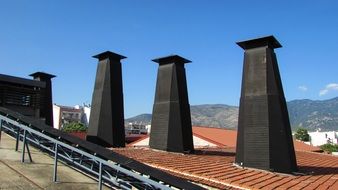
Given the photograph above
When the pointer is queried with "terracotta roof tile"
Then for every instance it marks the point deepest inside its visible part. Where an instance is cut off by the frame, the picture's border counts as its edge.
(251, 178)
(219, 136)
(278, 183)
(273, 180)
(334, 186)
(235, 179)
(216, 173)
(316, 184)
(214, 167)
(250, 184)
(225, 137)
(300, 146)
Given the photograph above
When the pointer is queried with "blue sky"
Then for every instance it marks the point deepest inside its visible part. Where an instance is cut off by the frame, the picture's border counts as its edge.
(59, 37)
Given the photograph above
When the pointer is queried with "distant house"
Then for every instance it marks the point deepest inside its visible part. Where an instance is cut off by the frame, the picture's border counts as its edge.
(65, 114)
(135, 128)
(319, 138)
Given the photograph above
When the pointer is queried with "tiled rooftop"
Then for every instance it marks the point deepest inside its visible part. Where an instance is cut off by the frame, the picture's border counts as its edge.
(226, 138)
(214, 167)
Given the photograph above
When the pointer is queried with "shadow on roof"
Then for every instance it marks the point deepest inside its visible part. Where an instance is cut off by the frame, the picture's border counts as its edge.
(318, 170)
(216, 152)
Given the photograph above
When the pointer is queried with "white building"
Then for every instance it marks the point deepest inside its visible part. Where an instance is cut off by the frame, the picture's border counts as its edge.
(66, 114)
(319, 138)
(85, 110)
(134, 128)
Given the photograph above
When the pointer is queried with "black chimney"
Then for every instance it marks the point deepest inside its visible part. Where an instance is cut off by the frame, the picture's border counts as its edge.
(171, 121)
(46, 110)
(264, 138)
(106, 124)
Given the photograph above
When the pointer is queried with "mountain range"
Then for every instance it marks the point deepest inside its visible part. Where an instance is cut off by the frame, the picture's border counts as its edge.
(309, 114)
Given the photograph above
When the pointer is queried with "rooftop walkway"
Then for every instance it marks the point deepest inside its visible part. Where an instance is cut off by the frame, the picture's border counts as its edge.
(39, 174)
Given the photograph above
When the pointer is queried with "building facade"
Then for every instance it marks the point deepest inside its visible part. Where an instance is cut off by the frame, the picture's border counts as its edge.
(66, 114)
(319, 138)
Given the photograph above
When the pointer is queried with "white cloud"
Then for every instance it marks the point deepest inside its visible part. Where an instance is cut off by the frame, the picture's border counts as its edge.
(323, 92)
(302, 88)
(328, 88)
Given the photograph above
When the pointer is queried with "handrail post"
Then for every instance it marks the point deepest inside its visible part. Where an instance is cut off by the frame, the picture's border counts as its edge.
(55, 163)
(17, 139)
(100, 176)
(23, 146)
(0, 128)
(29, 153)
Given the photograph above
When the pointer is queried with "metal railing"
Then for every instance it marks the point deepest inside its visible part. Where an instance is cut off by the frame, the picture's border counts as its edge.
(107, 172)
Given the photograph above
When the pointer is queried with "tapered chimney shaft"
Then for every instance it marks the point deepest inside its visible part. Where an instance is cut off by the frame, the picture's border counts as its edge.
(264, 138)
(106, 124)
(46, 110)
(171, 121)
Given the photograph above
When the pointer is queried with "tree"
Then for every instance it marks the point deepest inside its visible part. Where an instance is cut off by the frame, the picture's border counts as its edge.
(302, 135)
(74, 127)
(329, 147)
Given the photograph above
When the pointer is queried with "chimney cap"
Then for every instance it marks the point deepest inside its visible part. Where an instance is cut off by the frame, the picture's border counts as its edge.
(109, 54)
(171, 59)
(269, 41)
(42, 75)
